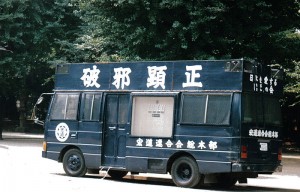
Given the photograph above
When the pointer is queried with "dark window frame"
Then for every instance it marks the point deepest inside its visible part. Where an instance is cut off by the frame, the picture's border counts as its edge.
(91, 107)
(65, 113)
(261, 111)
(206, 115)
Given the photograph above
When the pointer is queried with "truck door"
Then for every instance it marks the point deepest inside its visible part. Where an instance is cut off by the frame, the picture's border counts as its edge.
(115, 129)
(62, 125)
(90, 128)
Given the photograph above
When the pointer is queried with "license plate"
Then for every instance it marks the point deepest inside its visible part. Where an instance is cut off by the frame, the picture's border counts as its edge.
(263, 146)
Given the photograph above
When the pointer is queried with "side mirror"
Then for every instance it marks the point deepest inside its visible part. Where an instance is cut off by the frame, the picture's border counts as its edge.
(40, 100)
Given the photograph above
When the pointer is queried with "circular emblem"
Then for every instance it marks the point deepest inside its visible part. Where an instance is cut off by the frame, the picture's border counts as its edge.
(62, 132)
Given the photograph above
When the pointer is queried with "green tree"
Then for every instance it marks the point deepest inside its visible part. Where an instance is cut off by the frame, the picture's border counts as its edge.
(293, 86)
(202, 29)
(34, 32)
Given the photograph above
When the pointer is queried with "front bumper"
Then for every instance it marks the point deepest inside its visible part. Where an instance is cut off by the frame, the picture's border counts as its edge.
(50, 155)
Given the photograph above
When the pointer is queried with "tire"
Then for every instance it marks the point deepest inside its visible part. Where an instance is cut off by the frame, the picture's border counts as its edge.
(117, 174)
(185, 172)
(74, 164)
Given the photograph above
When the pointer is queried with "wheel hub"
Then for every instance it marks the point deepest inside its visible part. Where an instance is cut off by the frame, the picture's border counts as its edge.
(186, 172)
(74, 163)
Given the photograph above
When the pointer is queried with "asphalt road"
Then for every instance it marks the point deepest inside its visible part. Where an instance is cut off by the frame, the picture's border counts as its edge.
(23, 169)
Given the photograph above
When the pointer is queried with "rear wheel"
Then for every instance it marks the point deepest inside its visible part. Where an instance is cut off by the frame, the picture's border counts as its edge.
(185, 172)
(117, 174)
(73, 163)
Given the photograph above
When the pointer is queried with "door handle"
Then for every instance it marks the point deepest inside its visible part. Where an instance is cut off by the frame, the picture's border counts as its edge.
(112, 128)
(74, 135)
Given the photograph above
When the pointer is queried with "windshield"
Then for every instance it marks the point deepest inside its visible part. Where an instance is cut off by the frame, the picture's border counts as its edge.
(261, 110)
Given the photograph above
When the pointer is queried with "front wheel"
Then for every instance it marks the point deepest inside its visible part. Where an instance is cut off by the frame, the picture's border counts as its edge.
(185, 172)
(73, 163)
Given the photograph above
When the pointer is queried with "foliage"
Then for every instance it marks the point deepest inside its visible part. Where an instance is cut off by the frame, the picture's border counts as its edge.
(203, 29)
(293, 86)
(34, 32)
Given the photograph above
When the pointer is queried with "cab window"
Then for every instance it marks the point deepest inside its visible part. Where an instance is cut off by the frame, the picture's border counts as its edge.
(65, 106)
